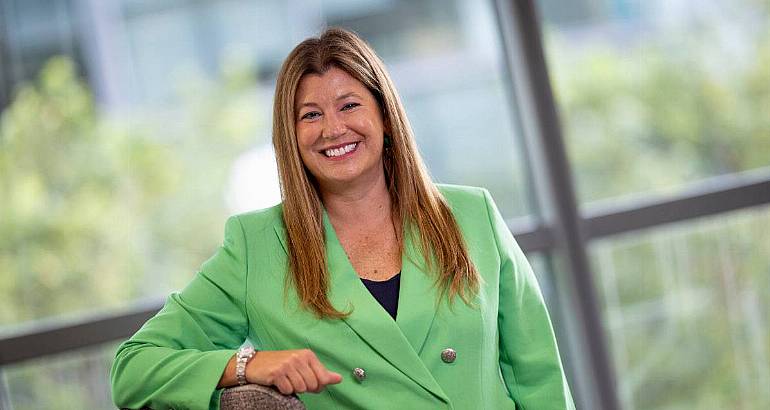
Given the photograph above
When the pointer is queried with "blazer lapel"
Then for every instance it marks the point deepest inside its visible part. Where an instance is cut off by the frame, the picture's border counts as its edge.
(417, 297)
(397, 342)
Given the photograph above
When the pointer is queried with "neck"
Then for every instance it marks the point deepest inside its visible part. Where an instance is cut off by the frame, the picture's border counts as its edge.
(358, 204)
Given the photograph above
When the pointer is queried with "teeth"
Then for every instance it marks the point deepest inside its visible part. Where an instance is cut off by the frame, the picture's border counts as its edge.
(336, 152)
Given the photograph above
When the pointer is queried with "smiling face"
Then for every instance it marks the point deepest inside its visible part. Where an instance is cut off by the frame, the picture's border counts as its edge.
(339, 129)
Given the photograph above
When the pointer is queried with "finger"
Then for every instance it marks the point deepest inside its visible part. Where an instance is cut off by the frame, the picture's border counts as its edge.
(309, 376)
(319, 371)
(324, 376)
(333, 378)
(297, 381)
(284, 385)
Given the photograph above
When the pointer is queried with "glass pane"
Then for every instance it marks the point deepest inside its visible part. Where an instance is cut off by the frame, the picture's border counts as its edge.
(75, 380)
(542, 268)
(30, 32)
(687, 311)
(461, 117)
(655, 94)
(122, 189)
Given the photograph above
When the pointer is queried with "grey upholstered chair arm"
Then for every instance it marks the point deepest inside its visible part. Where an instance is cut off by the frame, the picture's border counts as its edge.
(257, 397)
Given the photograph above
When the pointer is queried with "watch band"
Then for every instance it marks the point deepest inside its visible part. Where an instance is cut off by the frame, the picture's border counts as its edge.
(241, 359)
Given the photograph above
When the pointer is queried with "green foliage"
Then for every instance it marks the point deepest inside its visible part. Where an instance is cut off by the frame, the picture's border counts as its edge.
(67, 206)
(694, 334)
(684, 307)
(98, 210)
(655, 116)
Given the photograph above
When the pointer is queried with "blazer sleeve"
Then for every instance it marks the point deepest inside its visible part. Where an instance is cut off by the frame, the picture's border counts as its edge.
(177, 358)
(529, 358)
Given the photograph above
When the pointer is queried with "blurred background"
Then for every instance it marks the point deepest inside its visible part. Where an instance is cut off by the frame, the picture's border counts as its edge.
(130, 130)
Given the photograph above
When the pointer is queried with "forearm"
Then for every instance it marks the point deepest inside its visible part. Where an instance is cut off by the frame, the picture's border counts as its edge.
(159, 377)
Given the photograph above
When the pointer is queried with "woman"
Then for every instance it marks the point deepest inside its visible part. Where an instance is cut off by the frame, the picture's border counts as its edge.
(368, 287)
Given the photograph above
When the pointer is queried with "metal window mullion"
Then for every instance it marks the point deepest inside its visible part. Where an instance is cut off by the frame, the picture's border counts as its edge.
(6, 58)
(716, 196)
(5, 81)
(51, 337)
(520, 29)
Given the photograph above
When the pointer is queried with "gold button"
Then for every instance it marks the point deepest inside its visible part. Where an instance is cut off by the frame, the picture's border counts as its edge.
(448, 355)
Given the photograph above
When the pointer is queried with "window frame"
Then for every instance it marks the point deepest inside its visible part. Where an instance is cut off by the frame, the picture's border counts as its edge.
(560, 228)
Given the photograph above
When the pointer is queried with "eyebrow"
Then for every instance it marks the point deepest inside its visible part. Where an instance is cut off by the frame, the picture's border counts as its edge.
(341, 97)
(346, 95)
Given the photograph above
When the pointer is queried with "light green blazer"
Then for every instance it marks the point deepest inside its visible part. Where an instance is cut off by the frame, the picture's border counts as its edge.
(506, 352)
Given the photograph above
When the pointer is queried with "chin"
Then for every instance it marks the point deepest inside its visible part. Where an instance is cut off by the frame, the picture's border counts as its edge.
(344, 178)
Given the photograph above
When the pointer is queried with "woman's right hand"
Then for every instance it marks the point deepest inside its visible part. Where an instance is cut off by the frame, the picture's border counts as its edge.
(291, 371)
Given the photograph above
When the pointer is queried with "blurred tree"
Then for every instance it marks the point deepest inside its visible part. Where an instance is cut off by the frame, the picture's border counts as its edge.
(651, 112)
(68, 199)
(97, 211)
(659, 120)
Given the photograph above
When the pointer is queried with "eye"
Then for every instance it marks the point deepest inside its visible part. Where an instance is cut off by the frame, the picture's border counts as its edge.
(350, 106)
(310, 115)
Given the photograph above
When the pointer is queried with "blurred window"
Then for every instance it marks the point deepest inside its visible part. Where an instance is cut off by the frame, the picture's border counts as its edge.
(78, 379)
(122, 190)
(139, 126)
(654, 95)
(686, 310)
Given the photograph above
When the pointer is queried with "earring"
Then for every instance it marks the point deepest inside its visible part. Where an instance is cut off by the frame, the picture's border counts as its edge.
(386, 141)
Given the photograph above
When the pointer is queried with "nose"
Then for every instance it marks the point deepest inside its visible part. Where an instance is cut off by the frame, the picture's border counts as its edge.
(334, 126)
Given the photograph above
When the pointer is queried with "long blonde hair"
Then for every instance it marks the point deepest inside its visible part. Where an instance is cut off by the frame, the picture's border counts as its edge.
(415, 200)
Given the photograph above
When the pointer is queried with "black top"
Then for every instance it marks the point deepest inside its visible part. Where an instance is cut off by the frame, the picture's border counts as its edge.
(386, 292)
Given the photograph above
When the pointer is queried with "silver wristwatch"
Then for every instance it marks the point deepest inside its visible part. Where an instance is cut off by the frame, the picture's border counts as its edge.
(241, 359)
